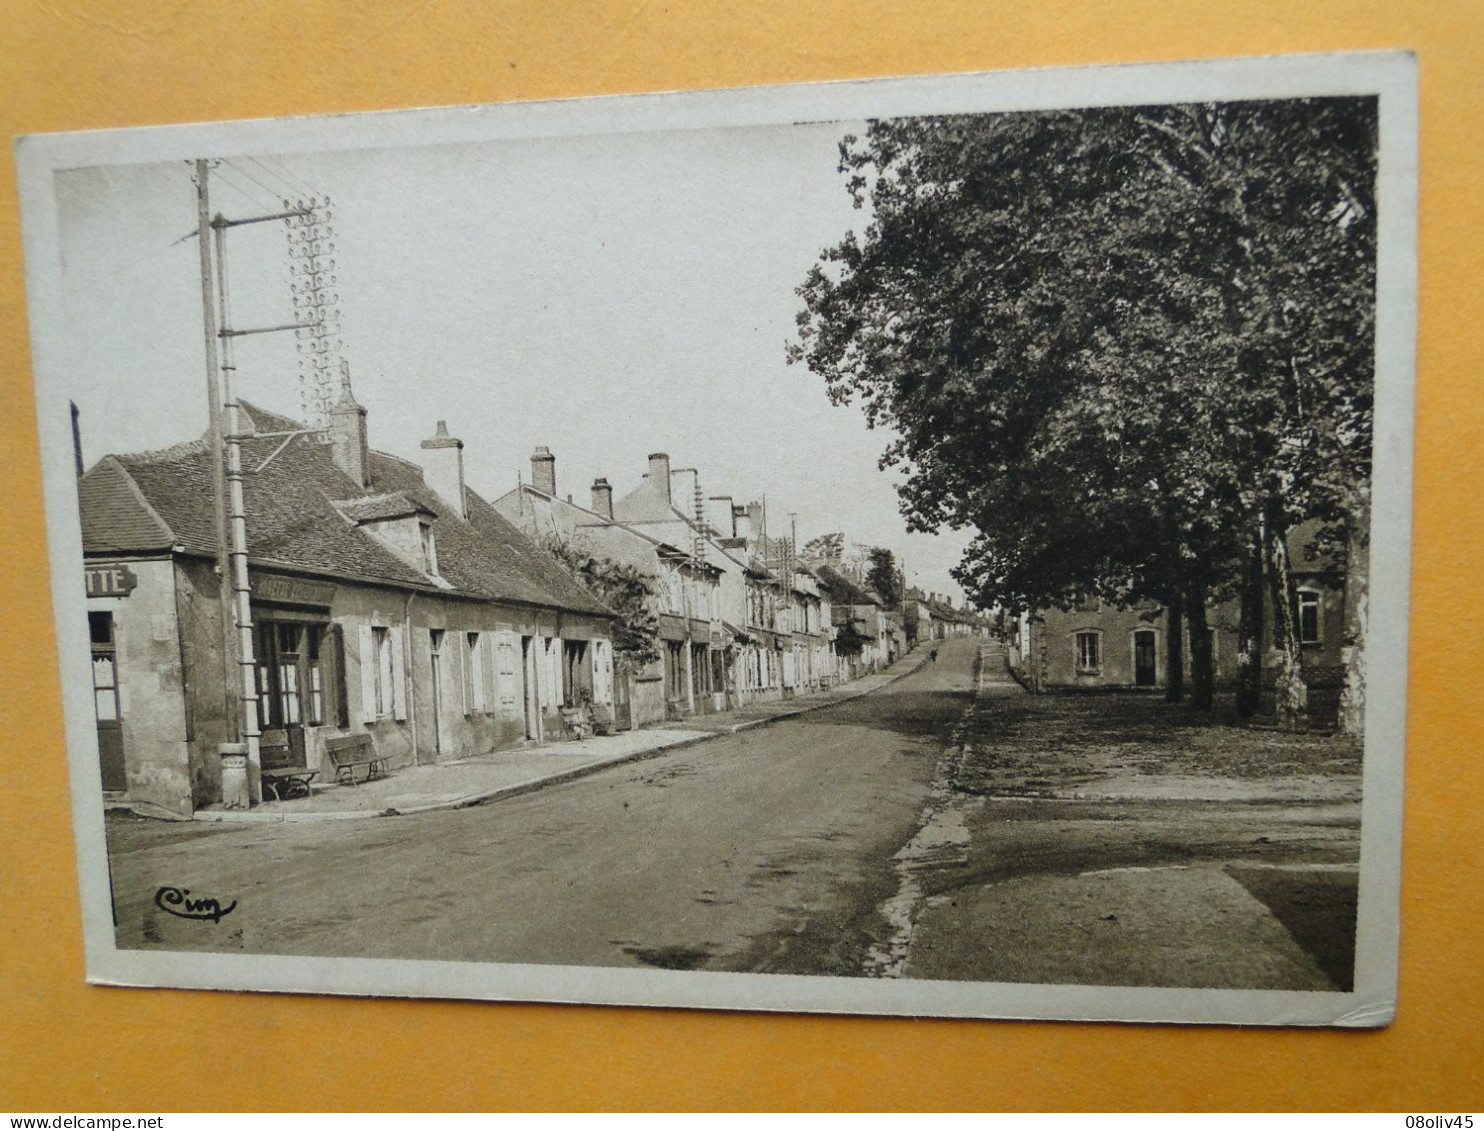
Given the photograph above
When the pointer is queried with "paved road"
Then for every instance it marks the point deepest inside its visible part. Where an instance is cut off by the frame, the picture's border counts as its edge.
(1072, 839)
(766, 851)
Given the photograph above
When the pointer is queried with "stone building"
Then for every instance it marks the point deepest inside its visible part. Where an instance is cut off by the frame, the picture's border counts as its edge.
(390, 603)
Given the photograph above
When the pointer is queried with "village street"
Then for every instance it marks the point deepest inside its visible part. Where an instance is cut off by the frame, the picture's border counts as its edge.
(915, 832)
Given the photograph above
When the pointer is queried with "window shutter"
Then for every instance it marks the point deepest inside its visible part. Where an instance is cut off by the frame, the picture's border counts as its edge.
(368, 674)
(399, 674)
(491, 691)
(338, 687)
(466, 664)
(508, 681)
(551, 676)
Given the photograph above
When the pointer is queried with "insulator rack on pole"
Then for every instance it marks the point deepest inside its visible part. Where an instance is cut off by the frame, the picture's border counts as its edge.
(313, 282)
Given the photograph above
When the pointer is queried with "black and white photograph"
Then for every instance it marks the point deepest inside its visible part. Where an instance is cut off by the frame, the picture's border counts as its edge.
(929, 546)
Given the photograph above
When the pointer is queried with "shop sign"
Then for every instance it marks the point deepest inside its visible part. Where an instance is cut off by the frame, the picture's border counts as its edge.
(110, 581)
(292, 590)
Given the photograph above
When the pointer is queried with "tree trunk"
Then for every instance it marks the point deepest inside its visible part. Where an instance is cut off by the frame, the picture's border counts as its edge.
(1202, 662)
(1175, 650)
(1249, 634)
(1291, 693)
(1357, 616)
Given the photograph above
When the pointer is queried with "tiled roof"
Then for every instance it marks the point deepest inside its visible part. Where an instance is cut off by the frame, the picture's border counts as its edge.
(153, 500)
(380, 508)
(115, 515)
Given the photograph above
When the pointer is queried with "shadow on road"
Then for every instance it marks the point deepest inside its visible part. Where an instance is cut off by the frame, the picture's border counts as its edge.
(915, 714)
(1317, 908)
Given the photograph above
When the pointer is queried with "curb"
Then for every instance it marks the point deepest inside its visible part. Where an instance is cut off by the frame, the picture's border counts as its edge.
(530, 785)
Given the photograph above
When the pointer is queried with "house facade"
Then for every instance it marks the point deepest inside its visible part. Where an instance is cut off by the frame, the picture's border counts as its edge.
(1095, 644)
(390, 604)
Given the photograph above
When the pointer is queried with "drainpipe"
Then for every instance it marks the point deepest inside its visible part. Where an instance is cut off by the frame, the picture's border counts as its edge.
(411, 681)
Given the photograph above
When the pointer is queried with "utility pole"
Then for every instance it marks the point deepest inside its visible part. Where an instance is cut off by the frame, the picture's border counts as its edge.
(241, 760)
(214, 408)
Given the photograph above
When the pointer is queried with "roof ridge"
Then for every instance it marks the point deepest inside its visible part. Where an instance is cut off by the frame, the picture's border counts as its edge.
(139, 497)
(160, 455)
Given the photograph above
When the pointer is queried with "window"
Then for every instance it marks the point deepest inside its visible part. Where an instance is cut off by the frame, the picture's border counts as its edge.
(430, 549)
(105, 671)
(1089, 652)
(1308, 617)
(474, 702)
(381, 647)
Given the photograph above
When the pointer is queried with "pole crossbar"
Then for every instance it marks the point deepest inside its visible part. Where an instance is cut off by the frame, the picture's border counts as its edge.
(223, 222)
(225, 333)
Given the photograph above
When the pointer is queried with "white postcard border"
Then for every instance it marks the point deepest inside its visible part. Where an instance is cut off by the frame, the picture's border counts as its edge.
(1391, 75)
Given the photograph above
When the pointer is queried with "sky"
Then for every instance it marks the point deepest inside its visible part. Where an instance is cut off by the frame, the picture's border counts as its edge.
(605, 296)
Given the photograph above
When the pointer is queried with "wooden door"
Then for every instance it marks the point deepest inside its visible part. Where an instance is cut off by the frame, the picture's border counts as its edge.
(1145, 672)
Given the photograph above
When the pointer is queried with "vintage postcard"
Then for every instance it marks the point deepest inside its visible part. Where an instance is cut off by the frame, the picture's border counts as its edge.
(928, 546)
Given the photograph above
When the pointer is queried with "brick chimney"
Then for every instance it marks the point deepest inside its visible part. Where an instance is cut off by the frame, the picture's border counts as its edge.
(659, 473)
(543, 471)
(348, 443)
(443, 468)
(603, 498)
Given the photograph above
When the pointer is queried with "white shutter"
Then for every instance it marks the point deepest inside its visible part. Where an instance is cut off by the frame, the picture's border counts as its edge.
(491, 692)
(508, 681)
(367, 658)
(552, 676)
(603, 672)
(466, 701)
(399, 674)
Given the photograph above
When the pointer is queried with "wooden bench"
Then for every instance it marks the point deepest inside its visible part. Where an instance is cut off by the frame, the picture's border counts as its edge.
(284, 776)
(352, 751)
(578, 721)
(583, 721)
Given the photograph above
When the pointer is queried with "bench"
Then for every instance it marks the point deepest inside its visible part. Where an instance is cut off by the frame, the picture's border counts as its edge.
(583, 721)
(352, 751)
(284, 776)
(578, 721)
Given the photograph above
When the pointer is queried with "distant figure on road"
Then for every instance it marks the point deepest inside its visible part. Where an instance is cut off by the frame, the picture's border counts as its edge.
(933, 655)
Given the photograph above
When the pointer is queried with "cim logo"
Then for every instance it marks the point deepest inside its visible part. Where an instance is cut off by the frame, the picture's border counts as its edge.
(110, 581)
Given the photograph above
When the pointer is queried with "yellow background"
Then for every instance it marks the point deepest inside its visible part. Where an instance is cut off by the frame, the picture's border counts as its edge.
(66, 1046)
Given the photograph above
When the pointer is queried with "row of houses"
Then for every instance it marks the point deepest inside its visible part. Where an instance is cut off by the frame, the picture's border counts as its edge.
(1094, 644)
(394, 607)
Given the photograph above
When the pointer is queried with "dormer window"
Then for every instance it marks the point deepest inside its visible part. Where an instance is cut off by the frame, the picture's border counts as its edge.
(430, 548)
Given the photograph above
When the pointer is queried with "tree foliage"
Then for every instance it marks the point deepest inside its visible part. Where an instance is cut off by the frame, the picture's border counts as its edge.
(884, 576)
(626, 590)
(1122, 345)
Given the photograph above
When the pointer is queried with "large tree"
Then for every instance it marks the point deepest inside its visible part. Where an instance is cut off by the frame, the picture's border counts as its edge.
(1129, 347)
(883, 575)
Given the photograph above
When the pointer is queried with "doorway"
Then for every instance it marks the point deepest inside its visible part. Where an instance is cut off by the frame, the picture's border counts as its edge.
(435, 657)
(291, 680)
(1145, 671)
(531, 706)
(106, 703)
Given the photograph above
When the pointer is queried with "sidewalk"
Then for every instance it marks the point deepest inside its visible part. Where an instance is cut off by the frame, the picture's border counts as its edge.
(506, 773)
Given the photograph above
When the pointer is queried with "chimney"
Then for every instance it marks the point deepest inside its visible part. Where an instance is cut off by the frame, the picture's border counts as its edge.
(719, 515)
(659, 473)
(603, 498)
(76, 437)
(543, 471)
(443, 468)
(755, 520)
(348, 443)
(742, 522)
